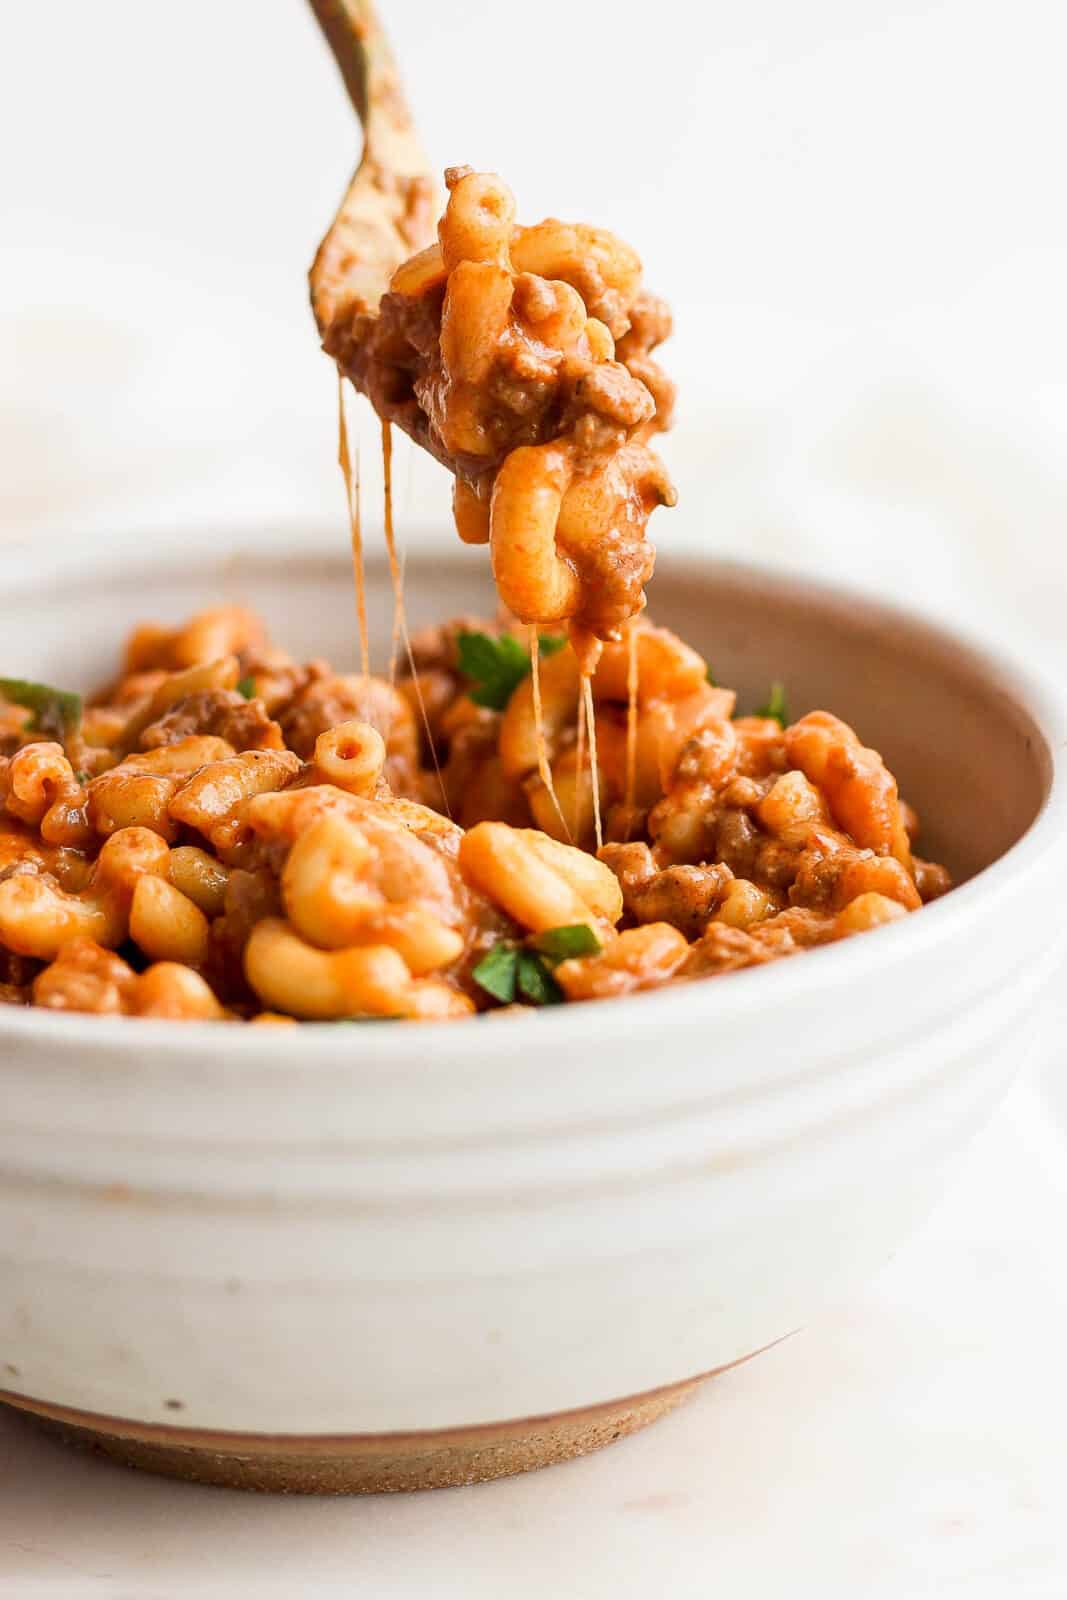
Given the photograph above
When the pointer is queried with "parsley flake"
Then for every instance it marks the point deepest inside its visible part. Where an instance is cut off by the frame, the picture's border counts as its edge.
(512, 969)
(536, 981)
(497, 973)
(776, 706)
(561, 944)
(56, 712)
(247, 687)
(496, 667)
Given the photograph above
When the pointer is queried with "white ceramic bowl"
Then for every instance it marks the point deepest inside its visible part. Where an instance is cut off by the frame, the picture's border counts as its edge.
(350, 1231)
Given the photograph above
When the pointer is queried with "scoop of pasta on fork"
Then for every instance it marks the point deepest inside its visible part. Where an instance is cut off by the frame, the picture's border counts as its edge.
(521, 358)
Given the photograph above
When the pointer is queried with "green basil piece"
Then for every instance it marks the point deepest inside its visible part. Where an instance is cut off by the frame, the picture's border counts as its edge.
(536, 982)
(56, 712)
(776, 707)
(496, 667)
(561, 944)
(497, 972)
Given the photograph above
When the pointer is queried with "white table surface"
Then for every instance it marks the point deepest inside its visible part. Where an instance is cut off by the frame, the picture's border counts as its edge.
(909, 1446)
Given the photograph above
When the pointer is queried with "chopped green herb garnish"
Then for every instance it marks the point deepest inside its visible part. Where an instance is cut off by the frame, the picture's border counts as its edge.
(497, 666)
(247, 687)
(536, 981)
(561, 944)
(510, 969)
(56, 712)
(497, 973)
(82, 777)
(776, 706)
(710, 676)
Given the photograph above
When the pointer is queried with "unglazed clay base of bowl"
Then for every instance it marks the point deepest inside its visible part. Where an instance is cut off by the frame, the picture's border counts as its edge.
(370, 1463)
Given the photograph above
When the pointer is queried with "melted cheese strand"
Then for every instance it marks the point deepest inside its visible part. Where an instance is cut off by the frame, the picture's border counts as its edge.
(594, 770)
(417, 687)
(631, 723)
(400, 621)
(400, 627)
(352, 501)
(579, 762)
(543, 768)
(398, 633)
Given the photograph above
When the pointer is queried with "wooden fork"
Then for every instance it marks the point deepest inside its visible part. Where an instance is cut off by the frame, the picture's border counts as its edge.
(388, 211)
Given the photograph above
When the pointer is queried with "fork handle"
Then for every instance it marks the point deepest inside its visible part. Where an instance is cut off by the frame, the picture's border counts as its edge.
(388, 209)
(361, 49)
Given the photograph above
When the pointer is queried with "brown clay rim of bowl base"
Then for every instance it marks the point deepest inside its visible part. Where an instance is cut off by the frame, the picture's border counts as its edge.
(361, 1463)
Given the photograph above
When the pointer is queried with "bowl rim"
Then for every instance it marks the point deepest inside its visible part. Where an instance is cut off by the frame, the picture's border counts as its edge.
(1031, 690)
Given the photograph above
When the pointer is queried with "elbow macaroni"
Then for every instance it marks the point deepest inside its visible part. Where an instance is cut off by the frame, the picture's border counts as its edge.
(352, 756)
(291, 975)
(38, 917)
(538, 881)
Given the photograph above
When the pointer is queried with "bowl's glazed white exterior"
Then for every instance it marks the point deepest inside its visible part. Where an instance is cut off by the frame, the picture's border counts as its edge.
(351, 1230)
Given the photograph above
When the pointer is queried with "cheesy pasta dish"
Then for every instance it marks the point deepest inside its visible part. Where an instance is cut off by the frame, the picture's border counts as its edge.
(224, 832)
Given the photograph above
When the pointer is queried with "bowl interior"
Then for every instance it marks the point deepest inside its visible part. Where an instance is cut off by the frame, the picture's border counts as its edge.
(950, 721)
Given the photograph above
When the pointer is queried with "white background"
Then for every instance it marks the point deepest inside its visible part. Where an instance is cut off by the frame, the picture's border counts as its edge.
(857, 211)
